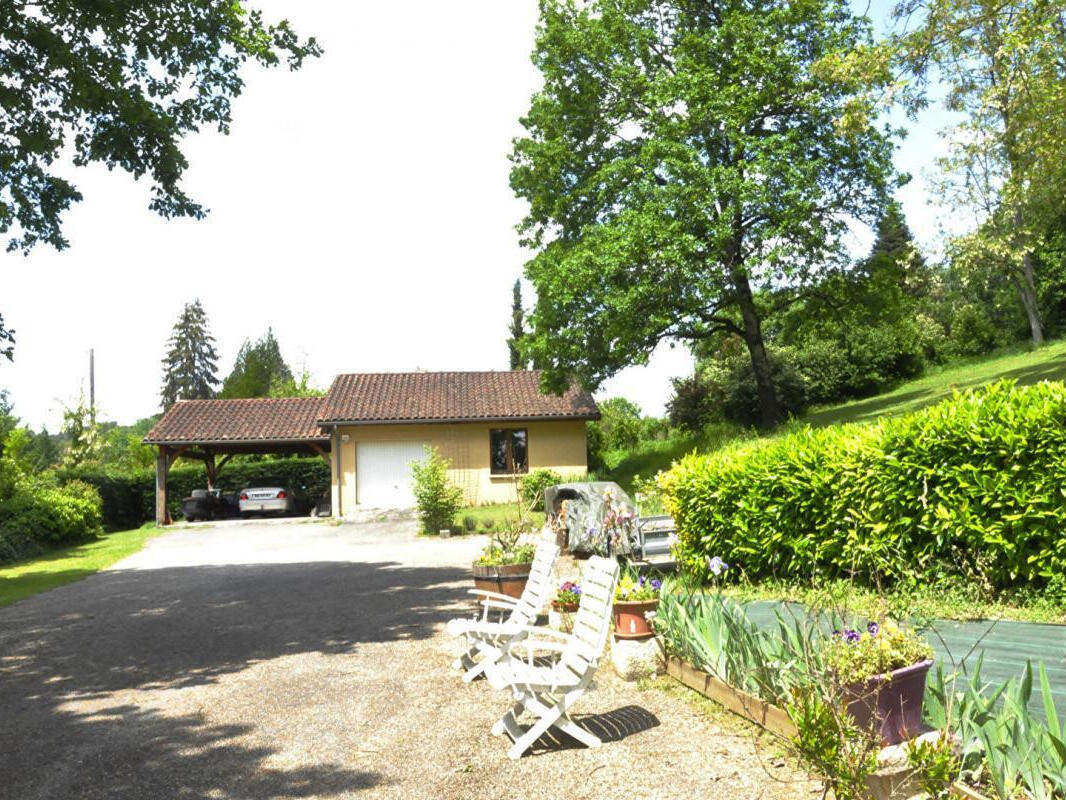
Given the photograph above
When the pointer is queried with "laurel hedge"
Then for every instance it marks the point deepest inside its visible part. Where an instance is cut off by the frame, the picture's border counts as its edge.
(974, 486)
(129, 497)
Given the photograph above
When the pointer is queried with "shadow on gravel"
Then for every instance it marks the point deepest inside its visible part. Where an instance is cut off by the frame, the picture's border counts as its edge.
(178, 627)
(612, 726)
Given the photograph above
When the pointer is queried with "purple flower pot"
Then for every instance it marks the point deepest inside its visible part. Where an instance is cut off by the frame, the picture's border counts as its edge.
(890, 704)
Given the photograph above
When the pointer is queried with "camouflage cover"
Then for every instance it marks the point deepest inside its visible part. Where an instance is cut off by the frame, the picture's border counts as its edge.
(596, 517)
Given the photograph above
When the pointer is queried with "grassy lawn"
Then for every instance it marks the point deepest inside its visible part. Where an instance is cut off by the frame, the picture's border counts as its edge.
(498, 515)
(1030, 366)
(69, 564)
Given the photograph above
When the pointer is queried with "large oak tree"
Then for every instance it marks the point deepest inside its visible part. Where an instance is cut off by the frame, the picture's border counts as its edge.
(681, 156)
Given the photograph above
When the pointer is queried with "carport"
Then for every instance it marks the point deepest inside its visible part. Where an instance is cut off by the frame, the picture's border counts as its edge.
(213, 431)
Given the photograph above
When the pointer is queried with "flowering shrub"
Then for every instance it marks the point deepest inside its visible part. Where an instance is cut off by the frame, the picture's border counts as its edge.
(637, 589)
(854, 656)
(569, 594)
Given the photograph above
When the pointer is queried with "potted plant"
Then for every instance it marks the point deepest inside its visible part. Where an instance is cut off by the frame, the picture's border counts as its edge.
(634, 599)
(567, 598)
(503, 566)
(881, 673)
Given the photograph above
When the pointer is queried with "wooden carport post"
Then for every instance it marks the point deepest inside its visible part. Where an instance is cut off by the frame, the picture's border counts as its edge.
(162, 466)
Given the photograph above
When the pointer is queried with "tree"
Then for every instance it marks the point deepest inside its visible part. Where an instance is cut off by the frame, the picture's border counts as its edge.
(84, 440)
(620, 423)
(295, 386)
(680, 158)
(7, 335)
(258, 367)
(191, 362)
(119, 84)
(1002, 63)
(517, 329)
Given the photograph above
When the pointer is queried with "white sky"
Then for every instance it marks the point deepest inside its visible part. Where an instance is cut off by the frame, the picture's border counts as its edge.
(360, 206)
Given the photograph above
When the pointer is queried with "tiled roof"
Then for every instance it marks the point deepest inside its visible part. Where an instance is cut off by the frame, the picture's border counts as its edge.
(449, 396)
(257, 419)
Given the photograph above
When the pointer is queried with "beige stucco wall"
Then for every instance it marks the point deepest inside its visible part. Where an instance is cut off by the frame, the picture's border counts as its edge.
(552, 445)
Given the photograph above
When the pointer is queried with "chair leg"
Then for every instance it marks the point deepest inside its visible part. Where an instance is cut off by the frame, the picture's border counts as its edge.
(508, 719)
(475, 669)
(567, 725)
(526, 740)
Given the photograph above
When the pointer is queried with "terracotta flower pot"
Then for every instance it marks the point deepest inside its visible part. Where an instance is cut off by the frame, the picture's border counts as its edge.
(629, 619)
(508, 579)
(564, 608)
(890, 704)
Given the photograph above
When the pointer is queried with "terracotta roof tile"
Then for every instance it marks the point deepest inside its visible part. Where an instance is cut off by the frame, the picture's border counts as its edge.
(451, 396)
(254, 419)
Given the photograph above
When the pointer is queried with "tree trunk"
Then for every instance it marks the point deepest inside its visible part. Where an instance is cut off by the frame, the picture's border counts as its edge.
(1027, 290)
(769, 408)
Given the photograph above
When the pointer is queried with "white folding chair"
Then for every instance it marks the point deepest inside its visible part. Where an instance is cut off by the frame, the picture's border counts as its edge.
(549, 690)
(490, 640)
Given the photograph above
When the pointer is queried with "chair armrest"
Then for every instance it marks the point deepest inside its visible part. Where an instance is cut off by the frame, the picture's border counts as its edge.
(509, 629)
(531, 645)
(502, 598)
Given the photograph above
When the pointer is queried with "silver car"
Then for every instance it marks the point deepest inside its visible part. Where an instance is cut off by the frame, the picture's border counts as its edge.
(267, 496)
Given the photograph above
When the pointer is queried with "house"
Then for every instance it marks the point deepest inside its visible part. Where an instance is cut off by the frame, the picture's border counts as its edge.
(491, 426)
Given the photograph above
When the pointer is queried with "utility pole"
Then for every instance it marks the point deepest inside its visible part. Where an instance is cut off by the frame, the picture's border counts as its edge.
(92, 383)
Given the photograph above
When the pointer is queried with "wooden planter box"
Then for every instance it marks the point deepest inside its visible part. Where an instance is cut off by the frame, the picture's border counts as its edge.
(763, 714)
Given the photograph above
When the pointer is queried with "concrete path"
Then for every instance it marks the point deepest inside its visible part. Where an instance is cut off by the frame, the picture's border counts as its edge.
(306, 660)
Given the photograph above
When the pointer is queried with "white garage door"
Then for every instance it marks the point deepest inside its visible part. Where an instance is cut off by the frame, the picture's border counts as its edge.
(383, 473)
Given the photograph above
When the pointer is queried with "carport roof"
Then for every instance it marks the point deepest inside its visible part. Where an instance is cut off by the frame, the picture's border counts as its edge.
(256, 420)
(398, 397)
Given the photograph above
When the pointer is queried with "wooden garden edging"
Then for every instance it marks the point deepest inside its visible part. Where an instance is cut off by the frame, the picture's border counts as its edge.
(760, 712)
(765, 715)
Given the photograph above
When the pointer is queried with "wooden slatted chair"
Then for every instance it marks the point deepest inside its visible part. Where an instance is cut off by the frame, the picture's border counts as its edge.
(549, 690)
(488, 640)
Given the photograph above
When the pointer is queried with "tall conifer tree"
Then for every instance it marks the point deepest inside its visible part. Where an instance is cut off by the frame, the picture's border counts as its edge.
(191, 361)
(517, 328)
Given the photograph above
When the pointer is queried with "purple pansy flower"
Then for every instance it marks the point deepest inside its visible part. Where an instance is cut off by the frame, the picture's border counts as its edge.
(873, 628)
(851, 637)
(656, 583)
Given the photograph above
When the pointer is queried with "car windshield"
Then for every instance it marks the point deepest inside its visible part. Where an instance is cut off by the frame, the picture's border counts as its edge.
(266, 483)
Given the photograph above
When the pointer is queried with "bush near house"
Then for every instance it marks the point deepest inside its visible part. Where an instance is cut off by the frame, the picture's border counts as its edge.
(972, 486)
(437, 499)
(129, 497)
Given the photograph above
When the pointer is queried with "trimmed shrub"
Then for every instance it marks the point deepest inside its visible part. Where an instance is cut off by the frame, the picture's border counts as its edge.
(531, 487)
(437, 499)
(972, 486)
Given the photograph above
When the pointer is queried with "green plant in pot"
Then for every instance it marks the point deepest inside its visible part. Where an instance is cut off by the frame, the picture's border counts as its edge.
(503, 566)
(881, 674)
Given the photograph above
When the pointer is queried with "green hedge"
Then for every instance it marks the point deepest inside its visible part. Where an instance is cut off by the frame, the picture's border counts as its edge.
(129, 497)
(974, 486)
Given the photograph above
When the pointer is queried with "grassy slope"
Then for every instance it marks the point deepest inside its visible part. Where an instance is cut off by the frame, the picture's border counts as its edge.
(69, 564)
(1047, 363)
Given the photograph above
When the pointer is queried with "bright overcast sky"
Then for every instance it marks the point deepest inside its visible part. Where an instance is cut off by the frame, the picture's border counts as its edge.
(360, 207)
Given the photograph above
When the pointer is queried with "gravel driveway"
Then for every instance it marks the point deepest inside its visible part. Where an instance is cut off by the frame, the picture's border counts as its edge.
(307, 660)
